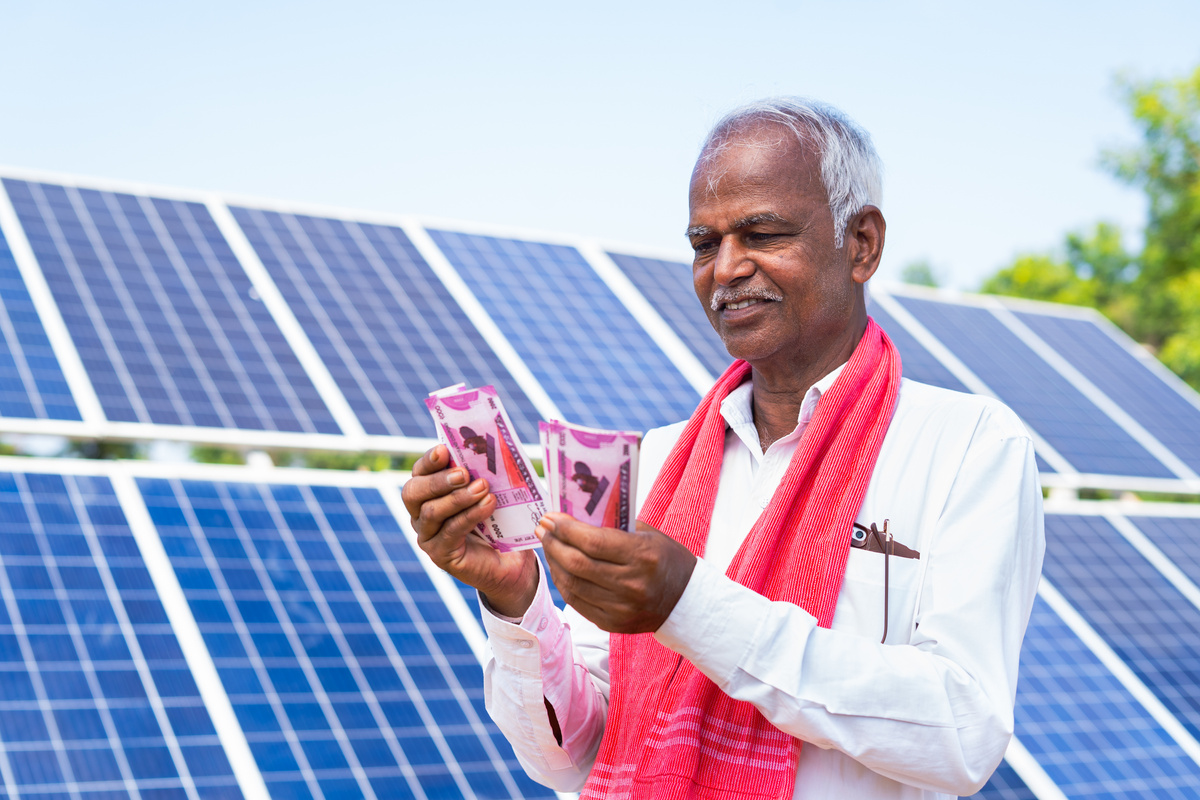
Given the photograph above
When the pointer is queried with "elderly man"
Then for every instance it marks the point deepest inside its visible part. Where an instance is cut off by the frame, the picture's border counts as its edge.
(834, 567)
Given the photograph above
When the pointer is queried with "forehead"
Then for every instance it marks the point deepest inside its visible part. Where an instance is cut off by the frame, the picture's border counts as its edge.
(766, 161)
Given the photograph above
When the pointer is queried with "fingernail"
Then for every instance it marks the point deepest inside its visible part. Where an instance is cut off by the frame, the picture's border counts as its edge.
(458, 477)
(539, 532)
(546, 524)
(479, 486)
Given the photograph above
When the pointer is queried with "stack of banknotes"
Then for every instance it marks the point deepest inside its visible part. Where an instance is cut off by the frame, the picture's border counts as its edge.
(592, 474)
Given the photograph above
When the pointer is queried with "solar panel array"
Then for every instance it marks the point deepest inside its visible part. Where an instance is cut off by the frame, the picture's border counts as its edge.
(351, 671)
(171, 631)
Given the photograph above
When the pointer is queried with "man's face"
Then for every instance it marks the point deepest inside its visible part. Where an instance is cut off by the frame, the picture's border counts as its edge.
(765, 268)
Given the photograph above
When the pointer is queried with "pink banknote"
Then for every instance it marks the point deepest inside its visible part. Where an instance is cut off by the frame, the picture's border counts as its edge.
(592, 474)
(479, 433)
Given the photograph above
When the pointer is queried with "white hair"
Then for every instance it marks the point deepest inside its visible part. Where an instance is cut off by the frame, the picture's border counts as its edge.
(850, 167)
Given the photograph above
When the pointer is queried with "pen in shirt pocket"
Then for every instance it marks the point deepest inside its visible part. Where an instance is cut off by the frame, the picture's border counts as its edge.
(881, 541)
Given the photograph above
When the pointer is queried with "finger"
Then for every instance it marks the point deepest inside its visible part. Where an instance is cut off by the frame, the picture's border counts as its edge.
(445, 543)
(432, 514)
(578, 563)
(599, 544)
(420, 489)
(432, 460)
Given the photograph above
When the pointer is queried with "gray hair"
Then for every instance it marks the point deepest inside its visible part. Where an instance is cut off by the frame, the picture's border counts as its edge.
(850, 167)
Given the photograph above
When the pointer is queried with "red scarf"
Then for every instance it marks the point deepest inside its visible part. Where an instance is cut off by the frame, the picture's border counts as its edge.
(671, 733)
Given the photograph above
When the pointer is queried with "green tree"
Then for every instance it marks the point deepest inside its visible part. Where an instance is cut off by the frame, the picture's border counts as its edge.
(1153, 295)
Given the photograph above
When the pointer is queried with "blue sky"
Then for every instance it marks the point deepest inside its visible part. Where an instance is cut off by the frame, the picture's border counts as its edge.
(989, 117)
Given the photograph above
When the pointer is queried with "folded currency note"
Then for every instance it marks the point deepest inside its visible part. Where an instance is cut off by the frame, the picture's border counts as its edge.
(592, 474)
(473, 424)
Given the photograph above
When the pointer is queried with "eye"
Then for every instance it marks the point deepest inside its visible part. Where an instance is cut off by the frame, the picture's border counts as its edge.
(762, 238)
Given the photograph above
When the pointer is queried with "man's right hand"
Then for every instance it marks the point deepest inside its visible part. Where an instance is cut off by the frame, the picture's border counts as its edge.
(445, 507)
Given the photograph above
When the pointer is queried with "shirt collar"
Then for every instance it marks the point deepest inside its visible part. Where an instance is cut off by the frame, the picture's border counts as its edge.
(738, 411)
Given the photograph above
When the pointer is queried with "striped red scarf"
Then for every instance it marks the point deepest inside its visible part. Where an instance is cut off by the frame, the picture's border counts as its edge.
(671, 733)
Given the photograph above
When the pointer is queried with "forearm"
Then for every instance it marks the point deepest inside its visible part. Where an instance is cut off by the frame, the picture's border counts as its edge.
(533, 663)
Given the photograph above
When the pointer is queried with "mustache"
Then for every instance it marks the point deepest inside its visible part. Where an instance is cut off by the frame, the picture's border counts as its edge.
(725, 295)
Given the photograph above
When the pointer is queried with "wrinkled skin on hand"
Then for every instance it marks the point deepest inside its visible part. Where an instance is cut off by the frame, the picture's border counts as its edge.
(623, 582)
(445, 507)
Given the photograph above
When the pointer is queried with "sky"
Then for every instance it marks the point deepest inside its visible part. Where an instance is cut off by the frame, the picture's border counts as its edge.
(573, 119)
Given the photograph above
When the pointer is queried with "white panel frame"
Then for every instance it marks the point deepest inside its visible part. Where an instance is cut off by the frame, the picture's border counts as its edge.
(1030, 771)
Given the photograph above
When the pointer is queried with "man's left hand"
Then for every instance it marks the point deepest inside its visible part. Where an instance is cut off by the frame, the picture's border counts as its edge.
(624, 582)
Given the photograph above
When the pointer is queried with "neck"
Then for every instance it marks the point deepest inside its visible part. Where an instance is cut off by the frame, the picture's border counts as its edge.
(780, 385)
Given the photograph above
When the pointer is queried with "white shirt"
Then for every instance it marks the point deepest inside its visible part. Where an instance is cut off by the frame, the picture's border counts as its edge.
(926, 715)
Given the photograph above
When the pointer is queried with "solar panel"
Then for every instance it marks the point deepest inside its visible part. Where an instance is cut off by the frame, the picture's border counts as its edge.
(1157, 406)
(342, 663)
(587, 350)
(96, 700)
(1043, 398)
(668, 287)
(31, 380)
(1142, 617)
(162, 314)
(386, 327)
(1085, 729)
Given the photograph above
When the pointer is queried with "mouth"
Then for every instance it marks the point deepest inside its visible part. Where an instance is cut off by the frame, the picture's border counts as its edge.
(740, 304)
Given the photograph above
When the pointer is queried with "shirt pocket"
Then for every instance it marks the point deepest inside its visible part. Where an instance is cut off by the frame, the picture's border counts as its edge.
(860, 607)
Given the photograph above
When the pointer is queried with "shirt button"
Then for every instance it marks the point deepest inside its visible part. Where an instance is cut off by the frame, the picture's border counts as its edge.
(526, 643)
(542, 625)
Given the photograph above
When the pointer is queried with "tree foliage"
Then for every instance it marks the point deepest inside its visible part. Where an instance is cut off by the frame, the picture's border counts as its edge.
(1154, 295)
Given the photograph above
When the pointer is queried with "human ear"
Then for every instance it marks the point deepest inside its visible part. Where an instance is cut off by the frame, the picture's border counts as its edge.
(864, 242)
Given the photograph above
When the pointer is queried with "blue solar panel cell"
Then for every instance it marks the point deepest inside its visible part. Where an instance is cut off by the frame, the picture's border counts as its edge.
(380, 319)
(585, 348)
(1145, 619)
(1005, 784)
(1070, 708)
(162, 314)
(93, 685)
(316, 642)
(1178, 538)
(1146, 397)
(32, 384)
(1043, 398)
(668, 287)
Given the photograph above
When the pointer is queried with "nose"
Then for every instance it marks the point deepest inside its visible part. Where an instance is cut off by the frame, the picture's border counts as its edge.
(733, 262)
